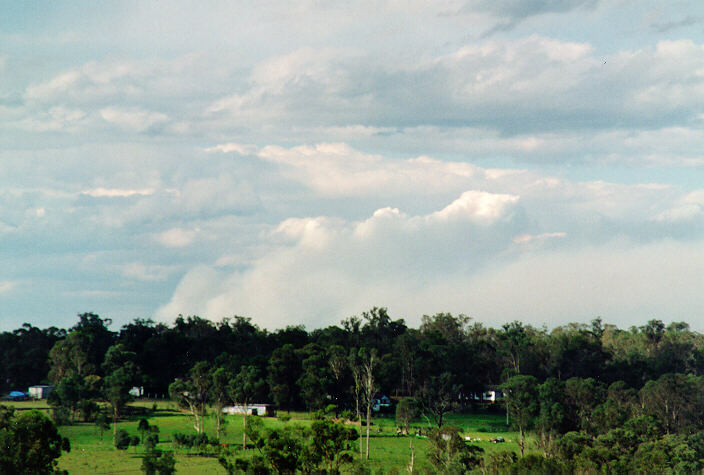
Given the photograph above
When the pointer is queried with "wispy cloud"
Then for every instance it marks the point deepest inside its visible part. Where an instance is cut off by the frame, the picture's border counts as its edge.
(666, 26)
(117, 192)
(7, 286)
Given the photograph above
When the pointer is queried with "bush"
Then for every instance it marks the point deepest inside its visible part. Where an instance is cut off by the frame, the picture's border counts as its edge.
(285, 417)
(88, 409)
(134, 442)
(157, 462)
(406, 411)
(189, 441)
(448, 452)
(539, 465)
(61, 416)
(150, 442)
(102, 423)
(29, 443)
(122, 439)
(500, 462)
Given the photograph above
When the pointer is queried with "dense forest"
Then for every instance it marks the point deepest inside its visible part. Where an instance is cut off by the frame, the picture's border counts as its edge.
(595, 395)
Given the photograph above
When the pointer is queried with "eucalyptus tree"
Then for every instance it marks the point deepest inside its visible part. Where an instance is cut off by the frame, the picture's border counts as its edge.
(244, 389)
(193, 393)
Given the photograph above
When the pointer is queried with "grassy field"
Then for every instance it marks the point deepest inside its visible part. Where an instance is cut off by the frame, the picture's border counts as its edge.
(92, 454)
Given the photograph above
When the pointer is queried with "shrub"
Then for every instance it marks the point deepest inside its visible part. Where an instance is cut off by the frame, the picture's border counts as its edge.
(157, 462)
(122, 439)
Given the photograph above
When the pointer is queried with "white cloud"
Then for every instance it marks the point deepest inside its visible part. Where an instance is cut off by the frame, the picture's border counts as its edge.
(7, 286)
(316, 270)
(233, 147)
(133, 119)
(529, 238)
(688, 208)
(324, 264)
(117, 192)
(478, 206)
(334, 271)
(338, 170)
(146, 273)
(177, 237)
(625, 283)
(128, 80)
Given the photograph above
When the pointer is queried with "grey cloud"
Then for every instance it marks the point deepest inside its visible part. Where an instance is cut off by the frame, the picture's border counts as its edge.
(512, 12)
(526, 8)
(666, 26)
(552, 92)
(529, 85)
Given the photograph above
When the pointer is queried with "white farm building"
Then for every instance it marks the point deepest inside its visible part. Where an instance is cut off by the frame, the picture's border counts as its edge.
(251, 409)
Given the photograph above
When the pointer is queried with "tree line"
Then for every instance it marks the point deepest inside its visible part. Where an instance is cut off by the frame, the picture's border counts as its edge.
(593, 386)
(306, 369)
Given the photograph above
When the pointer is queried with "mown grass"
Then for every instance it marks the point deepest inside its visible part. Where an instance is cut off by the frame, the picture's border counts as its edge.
(91, 453)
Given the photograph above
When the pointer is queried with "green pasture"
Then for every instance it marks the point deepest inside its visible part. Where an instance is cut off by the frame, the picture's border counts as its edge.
(92, 454)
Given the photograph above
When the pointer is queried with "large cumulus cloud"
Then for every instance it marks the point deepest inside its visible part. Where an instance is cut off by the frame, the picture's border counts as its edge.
(549, 251)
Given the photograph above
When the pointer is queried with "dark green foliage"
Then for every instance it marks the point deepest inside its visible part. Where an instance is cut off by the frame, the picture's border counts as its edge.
(676, 400)
(316, 378)
(406, 412)
(600, 398)
(324, 447)
(330, 444)
(143, 427)
(617, 409)
(583, 396)
(24, 356)
(245, 389)
(577, 351)
(521, 399)
(514, 341)
(121, 439)
(282, 450)
(640, 446)
(193, 393)
(74, 396)
(151, 441)
(552, 412)
(192, 441)
(219, 396)
(96, 338)
(538, 465)
(500, 461)
(134, 441)
(102, 423)
(449, 453)
(255, 465)
(158, 462)
(29, 443)
(438, 396)
(121, 375)
(283, 371)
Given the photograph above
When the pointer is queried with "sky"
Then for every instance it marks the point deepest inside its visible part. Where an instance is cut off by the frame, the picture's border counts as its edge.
(302, 162)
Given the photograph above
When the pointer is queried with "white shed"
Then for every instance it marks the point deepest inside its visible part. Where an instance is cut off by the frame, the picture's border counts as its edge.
(251, 409)
(40, 391)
